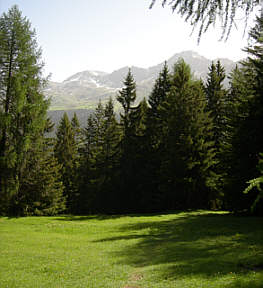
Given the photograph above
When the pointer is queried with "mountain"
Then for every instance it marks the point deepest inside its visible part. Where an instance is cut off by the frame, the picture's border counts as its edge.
(85, 89)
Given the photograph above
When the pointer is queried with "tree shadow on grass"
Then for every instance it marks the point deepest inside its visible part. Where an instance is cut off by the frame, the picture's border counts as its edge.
(105, 216)
(86, 218)
(188, 244)
(247, 284)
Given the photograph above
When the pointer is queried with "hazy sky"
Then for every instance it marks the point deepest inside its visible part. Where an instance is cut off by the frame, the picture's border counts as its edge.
(78, 35)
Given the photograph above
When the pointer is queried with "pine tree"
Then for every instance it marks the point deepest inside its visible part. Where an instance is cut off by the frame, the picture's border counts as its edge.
(216, 106)
(87, 195)
(77, 131)
(207, 13)
(99, 160)
(160, 89)
(157, 97)
(41, 187)
(154, 139)
(216, 98)
(110, 157)
(100, 155)
(127, 97)
(235, 152)
(245, 122)
(22, 104)
(187, 154)
(66, 153)
(257, 183)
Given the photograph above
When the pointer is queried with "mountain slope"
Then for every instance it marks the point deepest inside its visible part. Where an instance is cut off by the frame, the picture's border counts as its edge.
(85, 89)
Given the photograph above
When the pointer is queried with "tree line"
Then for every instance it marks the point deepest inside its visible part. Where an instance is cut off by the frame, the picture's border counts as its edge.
(192, 144)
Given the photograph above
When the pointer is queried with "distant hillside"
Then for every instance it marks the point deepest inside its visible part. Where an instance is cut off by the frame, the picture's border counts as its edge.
(85, 89)
(56, 115)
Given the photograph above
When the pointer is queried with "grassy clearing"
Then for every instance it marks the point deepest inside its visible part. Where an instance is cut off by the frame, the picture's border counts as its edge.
(195, 249)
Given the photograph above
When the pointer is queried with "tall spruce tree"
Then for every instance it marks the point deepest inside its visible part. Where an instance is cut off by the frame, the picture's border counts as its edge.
(110, 158)
(154, 140)
(246, 139)
(66, 153)
(188, 153)
(235, 148)
(22, 104)
(127, 97)
(160, 89)
(42, 187)
(99, 160)
(216, 98)
(77, 131)
(157, 97)
(86, 203)
(216, 106)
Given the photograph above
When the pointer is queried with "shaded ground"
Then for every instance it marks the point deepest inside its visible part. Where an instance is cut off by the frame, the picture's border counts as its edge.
(205, 245)
(198, 249)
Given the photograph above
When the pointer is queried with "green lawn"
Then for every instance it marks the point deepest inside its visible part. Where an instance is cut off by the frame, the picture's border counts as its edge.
(195, 249)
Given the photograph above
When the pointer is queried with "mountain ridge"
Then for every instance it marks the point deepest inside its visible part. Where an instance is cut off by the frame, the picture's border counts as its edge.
(84, 89)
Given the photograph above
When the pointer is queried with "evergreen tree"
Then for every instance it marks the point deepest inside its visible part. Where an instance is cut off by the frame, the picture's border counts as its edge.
(160, 89)
(154, 139)
(245, 122)
(257, 183)
(216, 106)
(206, 13)
(66, 153)
(86, 203)
(188, 153)
(77, 131)
(99, 160)
(127, 97)
(110, 158)
(42, 187)
(157, 97)
(22, 104)
(216, 98)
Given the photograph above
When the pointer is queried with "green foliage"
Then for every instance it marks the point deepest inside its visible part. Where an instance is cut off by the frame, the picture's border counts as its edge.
(77, 131)
(127, 97)
(157, 97)
(99, 158)
(216, 97)
(257, 183)
(237, 136)
(192, 145)
(152, 198)
(23, 110)
(245, 121)
(66, 153)
(206, 13)
(42, 188)
(188, 152)
(129, 119)
(160, 89)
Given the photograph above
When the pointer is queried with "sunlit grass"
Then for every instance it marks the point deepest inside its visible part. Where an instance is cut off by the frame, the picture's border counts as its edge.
(195, 249)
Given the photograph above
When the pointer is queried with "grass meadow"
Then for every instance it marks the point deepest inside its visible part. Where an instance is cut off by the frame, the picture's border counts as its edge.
(184, 249)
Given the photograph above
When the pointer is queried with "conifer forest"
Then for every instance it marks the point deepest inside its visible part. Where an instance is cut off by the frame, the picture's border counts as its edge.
(190, 144)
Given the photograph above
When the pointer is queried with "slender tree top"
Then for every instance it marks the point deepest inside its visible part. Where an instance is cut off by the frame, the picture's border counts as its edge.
(207, 12)
(127, 95)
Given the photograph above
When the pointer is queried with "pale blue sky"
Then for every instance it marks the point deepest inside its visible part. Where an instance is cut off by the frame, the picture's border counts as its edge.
(78, 35)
